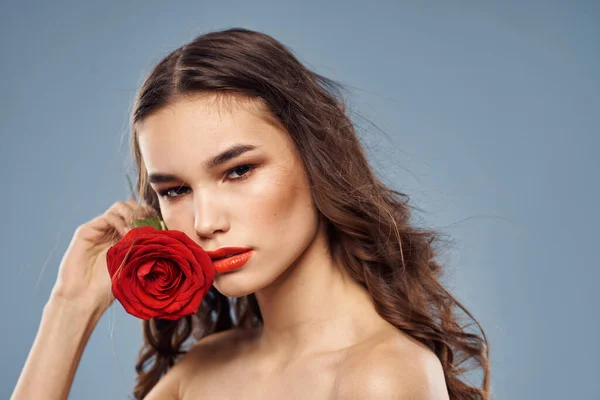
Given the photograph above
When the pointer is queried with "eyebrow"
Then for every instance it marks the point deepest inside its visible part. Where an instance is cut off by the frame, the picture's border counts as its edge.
(221, 158)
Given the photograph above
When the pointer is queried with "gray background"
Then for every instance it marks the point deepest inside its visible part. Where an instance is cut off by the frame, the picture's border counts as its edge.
(491, 111)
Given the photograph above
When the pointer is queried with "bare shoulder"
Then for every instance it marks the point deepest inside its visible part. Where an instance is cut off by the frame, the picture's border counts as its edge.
(200, 362)
(391, 366)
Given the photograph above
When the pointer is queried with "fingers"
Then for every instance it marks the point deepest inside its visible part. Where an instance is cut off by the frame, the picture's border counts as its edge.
(139, 210)
(119, 222)
(114, 223)
(123, 213)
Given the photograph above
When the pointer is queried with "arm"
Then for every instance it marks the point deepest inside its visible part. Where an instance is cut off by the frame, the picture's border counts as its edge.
(50, 367)
(81, 294)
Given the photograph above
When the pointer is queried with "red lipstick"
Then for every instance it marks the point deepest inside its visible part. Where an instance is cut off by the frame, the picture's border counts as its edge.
(229, 258)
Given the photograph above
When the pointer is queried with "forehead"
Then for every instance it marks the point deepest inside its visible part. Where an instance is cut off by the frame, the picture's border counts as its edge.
(206, 117)
(195, 128)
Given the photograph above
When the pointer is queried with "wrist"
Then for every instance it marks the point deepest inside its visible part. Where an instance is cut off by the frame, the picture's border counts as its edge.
(82, 307)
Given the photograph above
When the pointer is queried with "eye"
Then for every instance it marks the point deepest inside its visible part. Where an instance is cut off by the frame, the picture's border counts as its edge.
(165, 192)
(242, 171)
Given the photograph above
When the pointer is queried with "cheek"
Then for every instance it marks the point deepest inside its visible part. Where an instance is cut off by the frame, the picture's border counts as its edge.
(281, 221)
(176, 217)
(169, 218)
(281, 209)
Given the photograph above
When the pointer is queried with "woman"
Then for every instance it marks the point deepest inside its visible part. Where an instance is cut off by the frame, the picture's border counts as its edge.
(237, 144)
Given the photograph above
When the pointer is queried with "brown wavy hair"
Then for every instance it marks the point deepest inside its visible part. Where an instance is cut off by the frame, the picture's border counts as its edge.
(368, 227)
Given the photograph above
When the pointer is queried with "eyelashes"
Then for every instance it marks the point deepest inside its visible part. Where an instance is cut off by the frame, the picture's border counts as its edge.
(165, 193)
(244, 175)
(243, 171)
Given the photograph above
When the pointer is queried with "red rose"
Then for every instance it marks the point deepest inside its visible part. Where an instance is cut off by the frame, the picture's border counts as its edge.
(159, 273)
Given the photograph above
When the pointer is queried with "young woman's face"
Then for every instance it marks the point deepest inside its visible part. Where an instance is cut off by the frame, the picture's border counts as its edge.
(259, 199)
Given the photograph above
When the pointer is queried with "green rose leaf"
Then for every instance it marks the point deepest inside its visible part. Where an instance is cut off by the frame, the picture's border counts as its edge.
(154, 221)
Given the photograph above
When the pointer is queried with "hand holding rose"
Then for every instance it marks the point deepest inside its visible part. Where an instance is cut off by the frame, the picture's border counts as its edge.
(83, 277)
(127, 253)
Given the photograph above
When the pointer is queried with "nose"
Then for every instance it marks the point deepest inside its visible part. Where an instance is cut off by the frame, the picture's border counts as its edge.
(210, 216)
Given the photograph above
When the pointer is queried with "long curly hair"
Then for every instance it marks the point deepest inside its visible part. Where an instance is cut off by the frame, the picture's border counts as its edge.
(368, 227)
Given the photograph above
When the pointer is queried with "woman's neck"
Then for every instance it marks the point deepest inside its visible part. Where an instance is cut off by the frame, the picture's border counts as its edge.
(315, 307)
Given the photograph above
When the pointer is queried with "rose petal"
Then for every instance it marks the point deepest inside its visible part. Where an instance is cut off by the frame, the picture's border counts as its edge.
(151, 302)
(144, 269)
(130, 305)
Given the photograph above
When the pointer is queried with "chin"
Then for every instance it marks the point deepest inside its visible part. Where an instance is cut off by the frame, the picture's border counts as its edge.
(233, 284)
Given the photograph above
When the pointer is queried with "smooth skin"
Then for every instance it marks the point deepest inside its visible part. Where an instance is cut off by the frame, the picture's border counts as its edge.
(322, 338)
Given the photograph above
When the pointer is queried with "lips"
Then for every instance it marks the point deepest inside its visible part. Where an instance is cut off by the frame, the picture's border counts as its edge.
(227, 259)
(226, 252)
(232, 263)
